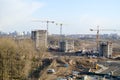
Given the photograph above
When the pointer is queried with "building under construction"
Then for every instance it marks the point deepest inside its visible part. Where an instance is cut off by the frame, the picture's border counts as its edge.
(66, 45)
(105, 49)
(40, 38)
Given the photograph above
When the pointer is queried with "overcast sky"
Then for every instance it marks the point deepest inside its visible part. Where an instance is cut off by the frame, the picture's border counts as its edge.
(77, 16)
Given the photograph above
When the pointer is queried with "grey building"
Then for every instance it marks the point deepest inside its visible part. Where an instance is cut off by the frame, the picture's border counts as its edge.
(40, 38)
(66, 46)
(105, 49)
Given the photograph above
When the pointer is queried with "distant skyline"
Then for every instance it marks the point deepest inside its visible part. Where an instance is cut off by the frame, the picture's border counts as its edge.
(77, 16)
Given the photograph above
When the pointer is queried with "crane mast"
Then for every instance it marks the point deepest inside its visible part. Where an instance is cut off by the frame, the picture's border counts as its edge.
(97, 35)
(60, 29)
(47, 23)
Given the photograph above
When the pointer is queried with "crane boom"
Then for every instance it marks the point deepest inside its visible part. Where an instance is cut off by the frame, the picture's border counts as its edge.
(97, 36)
(47, 22)
(44, 21)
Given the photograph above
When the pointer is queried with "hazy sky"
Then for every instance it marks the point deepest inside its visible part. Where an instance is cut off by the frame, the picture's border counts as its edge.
(77, 16)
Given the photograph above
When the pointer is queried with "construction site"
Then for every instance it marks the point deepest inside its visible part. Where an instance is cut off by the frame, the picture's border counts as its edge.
(47, 57)
(42, 56)
(68, 59)
(59, 39)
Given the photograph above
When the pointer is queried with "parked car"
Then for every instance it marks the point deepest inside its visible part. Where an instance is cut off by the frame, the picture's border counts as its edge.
(50, 71)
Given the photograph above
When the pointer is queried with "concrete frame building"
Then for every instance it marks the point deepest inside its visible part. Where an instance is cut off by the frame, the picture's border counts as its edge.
(105, 49)
(66, 46)
(40, 38)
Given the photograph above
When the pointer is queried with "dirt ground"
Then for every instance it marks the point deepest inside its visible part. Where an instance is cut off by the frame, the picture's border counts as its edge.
(58, 64)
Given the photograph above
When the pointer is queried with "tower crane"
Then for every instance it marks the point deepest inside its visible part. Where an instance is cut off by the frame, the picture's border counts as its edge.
(60, 28)
(47, 23)
(97, 35)
(60, 24)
